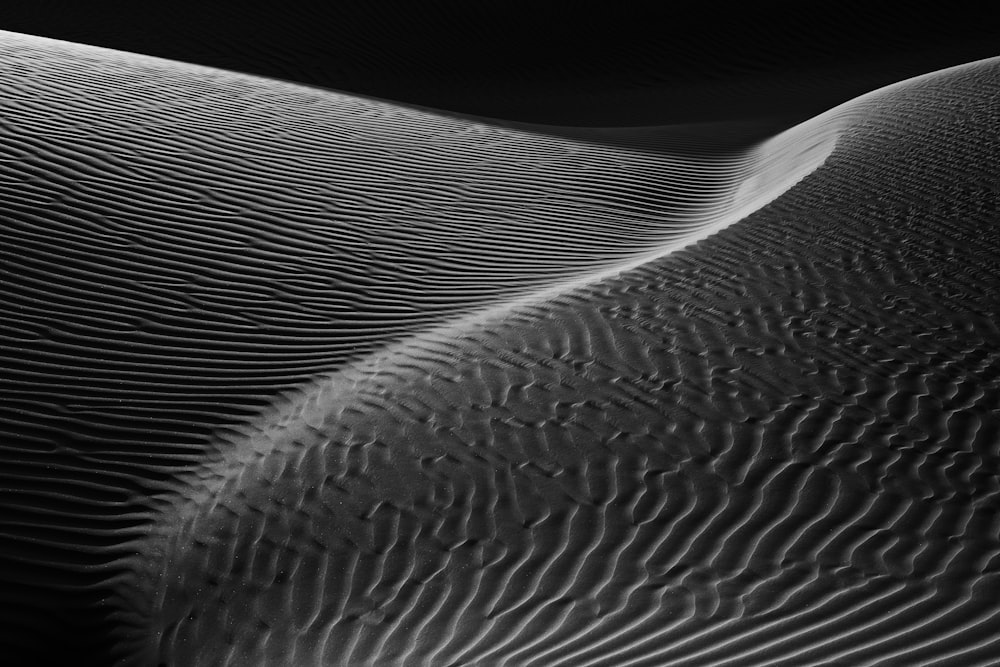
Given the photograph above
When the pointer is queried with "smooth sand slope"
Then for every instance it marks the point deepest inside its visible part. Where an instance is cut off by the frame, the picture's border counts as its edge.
(544, 433)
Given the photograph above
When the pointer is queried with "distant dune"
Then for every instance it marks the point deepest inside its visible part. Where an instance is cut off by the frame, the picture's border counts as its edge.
(297, 376)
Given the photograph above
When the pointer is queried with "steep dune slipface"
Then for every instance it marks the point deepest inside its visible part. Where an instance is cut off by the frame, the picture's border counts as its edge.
(777, 446)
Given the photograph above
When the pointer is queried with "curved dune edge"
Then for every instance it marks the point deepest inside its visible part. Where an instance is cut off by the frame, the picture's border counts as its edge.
(295, 450)
(778, 165)
(675, 196)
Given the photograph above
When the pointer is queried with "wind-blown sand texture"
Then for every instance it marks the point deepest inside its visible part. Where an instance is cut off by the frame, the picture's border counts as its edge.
(298, 377)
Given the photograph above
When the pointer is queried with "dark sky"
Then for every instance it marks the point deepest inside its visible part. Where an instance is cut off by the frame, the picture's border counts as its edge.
(548, 62)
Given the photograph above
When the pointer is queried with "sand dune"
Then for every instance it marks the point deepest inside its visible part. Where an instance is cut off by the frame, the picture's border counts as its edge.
(299, 377)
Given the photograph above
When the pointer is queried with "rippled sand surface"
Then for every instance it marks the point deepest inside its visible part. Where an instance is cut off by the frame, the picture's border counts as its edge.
(294, 376)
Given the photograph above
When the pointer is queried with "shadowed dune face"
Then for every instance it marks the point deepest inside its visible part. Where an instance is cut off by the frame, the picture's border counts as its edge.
(556, 395)
(778, 446)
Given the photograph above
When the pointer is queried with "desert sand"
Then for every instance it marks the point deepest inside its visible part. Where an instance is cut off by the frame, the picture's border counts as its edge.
(302, 376)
